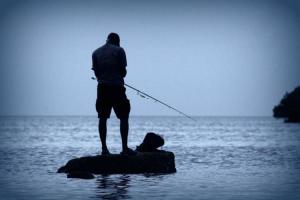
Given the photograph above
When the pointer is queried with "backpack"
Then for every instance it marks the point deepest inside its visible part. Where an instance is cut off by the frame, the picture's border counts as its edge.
(150, 143)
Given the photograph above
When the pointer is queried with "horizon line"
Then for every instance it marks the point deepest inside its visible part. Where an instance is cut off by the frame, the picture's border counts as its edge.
(113, 116)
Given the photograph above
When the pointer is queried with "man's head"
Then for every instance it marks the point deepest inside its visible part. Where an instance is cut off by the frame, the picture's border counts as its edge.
(113, 38)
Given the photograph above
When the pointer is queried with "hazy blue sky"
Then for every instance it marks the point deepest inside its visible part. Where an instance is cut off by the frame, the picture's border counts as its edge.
(203, 57)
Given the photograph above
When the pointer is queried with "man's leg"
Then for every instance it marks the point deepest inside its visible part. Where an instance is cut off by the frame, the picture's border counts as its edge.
(102, 133)
(124, 132)
(124, 136)
(122, 110)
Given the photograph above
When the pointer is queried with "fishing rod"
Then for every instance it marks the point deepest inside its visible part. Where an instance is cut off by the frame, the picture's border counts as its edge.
(143, 95)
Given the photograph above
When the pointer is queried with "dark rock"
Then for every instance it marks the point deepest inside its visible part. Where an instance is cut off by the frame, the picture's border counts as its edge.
(289, 106)
(146, 162)
(82, 175)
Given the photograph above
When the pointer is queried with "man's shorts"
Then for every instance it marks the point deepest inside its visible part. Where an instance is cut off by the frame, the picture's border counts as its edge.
(112, 96)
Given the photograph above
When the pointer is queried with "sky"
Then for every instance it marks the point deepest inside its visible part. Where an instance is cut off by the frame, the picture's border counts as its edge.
(206, 58)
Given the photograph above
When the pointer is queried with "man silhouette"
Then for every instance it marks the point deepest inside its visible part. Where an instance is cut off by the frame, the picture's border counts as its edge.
(109, 65)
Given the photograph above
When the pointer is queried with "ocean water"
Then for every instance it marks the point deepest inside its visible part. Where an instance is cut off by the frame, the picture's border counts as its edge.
(216, 158)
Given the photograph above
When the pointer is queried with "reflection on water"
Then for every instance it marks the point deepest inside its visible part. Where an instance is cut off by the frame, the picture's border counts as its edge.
(112, 188)
(118, 186)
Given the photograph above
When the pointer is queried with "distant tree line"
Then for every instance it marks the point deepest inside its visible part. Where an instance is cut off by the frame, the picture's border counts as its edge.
(289, 106)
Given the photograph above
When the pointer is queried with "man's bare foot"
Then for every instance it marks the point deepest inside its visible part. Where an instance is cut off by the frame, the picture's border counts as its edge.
(128, 151)
(105, 152)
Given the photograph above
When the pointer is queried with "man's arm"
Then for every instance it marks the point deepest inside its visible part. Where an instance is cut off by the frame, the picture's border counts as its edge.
(123, 71)
(94, 67)
(123, 62)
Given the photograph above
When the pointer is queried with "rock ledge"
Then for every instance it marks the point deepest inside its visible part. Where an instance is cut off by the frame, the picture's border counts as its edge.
(144, 162)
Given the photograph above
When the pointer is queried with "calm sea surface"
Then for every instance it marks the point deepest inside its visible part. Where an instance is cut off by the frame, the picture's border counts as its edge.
(216, 158)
